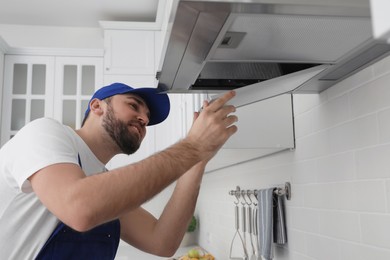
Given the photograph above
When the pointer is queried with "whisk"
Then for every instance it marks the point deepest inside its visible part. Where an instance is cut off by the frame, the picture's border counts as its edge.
(237, 234)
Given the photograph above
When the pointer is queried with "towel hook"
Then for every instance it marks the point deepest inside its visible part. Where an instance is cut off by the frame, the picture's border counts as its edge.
(248, 194)
(243, 193)
(237, 195)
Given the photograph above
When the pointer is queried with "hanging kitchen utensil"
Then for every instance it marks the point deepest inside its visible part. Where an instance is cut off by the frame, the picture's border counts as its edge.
(256, 231)
(250, 225)
(237, 234)
(243, 217)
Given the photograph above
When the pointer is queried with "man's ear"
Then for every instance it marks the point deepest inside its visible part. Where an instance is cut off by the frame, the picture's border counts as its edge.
(96, 106)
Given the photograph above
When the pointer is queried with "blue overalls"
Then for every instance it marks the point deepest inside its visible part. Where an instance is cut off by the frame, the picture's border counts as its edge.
(100, 243)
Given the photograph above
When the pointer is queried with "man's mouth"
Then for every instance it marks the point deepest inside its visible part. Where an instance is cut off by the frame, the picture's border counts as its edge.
(137, 128)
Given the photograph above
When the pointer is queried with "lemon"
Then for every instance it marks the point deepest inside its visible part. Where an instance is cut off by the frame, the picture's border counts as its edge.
(193, 253)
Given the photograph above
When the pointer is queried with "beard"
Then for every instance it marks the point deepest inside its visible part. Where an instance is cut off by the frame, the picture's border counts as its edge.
(127, 141)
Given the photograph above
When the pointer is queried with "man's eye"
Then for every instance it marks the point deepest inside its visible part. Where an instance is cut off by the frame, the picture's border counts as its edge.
(133, 105)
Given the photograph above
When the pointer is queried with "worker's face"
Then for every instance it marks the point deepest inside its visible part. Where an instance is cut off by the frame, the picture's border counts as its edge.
(125, 121)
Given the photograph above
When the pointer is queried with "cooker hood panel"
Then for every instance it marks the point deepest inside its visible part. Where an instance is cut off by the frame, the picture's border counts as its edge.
(292, 38)
(215, 45)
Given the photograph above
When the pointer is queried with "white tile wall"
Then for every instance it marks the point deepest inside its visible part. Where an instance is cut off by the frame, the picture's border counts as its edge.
(339, 171)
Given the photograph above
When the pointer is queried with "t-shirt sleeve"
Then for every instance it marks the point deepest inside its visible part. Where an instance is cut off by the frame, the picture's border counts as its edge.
(39, 144)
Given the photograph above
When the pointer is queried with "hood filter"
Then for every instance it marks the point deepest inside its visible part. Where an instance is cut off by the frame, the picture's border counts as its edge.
(231, 75)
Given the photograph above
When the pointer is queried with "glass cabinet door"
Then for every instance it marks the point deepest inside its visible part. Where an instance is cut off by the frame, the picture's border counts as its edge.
(76, 81)
(28, 92)
(47, 86)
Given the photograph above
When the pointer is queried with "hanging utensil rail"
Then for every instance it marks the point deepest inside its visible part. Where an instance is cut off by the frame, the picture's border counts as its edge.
(280, 191)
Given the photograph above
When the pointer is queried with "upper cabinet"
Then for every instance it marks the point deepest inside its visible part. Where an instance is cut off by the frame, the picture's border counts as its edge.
(76, 80)
(131, 55)
(380, 20)
(129, 52)
(27, 93)
(47, 86)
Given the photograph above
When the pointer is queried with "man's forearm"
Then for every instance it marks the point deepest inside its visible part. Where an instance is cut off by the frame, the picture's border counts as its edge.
(115, 192)
(177, 214)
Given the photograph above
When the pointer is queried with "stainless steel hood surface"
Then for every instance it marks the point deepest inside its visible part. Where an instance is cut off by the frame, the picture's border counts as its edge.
(215, 45)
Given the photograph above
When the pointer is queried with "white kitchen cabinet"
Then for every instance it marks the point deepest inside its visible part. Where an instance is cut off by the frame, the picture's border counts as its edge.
(47, 86)
(172, 129)
(131, 57)
(380, 21)
(75, 82)
(136, 81)
(129, 52)
(27, 93)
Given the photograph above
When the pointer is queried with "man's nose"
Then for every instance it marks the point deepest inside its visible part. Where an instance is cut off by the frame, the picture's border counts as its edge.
(143, 118)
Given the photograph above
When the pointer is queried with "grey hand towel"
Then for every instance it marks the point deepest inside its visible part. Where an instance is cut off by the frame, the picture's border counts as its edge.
(265, 222)
(280, 232)
(271, 221)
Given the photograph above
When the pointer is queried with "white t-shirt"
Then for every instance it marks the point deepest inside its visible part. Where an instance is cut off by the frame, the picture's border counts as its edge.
(25, 224)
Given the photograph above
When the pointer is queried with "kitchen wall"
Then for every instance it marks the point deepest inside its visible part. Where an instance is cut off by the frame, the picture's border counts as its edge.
(339, 172)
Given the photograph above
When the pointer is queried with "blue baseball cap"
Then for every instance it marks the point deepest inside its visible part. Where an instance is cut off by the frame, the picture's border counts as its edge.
(158, 103)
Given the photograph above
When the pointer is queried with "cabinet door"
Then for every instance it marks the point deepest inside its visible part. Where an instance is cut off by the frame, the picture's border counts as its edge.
(28, 92)
(76, 80)
(173, 128)
(380, 20)
(129, 52)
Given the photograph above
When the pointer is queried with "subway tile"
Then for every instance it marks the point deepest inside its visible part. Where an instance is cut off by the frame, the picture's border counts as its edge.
(381, 67)
(312, 146)
(305, 102)
(340, 224)
(303, 124)
(350, 83)
(339, 167)
(298, 256)
(370, 97)
(304, 219)
(384, 125)
(330, 113)
(304, 172)
(354, 134)
(388, 195)
(355, 196)
(296, 241)
(323, 248)
(357, 251)
(375, 230)
(368, 196)
(297, 196)
(373, 162)
(320, 196)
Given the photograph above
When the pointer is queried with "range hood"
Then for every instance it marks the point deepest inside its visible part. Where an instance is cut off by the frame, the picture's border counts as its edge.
(218, 45)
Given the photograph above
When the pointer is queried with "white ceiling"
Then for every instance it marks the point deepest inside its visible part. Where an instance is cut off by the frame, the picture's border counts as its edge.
(76, 13)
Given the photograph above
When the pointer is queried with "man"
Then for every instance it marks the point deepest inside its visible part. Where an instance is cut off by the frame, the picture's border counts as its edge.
(58, 202)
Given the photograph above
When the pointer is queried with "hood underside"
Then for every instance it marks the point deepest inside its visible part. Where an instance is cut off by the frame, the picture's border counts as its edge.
(215, 46)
